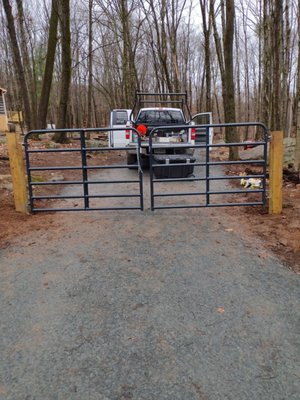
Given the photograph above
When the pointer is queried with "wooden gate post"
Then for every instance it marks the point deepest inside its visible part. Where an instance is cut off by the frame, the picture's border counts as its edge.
(276, 172)
(17, 167)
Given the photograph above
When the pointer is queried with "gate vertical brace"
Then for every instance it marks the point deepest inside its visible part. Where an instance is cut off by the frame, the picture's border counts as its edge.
(140, 173)
(207, 167)
(84, 170)
(151, 172)
(29, 179)
(264, 193)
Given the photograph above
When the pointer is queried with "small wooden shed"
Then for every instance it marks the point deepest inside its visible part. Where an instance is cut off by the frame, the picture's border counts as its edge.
(3, 113)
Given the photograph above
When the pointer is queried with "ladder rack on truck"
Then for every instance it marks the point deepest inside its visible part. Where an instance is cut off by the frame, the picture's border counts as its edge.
(142, 99)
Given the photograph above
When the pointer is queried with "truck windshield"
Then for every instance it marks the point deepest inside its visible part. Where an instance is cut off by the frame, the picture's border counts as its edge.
(161, 117)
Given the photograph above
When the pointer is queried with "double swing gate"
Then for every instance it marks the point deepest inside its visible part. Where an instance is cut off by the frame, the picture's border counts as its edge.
(181, 175)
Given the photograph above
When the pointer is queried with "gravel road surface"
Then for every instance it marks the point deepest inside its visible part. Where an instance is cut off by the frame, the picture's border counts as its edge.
(146, 306)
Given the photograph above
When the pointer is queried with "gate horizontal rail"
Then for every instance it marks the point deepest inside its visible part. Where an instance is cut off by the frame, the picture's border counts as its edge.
(85, 182)
(208, 165)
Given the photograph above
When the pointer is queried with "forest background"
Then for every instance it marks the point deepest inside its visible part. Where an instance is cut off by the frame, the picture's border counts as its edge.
(70, 62)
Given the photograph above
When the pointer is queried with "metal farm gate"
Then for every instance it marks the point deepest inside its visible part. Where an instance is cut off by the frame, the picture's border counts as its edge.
(204, 175)
(88, 187)
(180, 175)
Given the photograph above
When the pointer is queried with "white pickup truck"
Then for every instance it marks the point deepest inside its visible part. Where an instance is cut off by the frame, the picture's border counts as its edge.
(179, 131)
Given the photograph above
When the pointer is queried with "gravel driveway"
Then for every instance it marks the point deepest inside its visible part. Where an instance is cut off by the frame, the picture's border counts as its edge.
(146, 306)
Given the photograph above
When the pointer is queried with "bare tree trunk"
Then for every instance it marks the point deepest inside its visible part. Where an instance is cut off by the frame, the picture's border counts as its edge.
(48, 72)
(229, 109)
(76, 97)
(90, 67)
(97, 123)
(158, 21)
(28, 70)
(225, 59)
(18, 63)
(173, 18)
(163, 49)
(130, 82)
(156, 67)
(218, 43)
(202, 87)
(276, 121)
(266, 101)
(285, 66)
(258, 98)
(239, 106)
(215, 92)
(126, 69)
(207, 54)
(247, 83)
(297, 152)
(66, 69)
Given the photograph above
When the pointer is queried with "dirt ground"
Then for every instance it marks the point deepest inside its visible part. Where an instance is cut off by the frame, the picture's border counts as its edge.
(278, 233)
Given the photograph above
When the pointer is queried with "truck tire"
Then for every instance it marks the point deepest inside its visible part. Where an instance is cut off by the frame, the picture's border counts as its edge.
(132, 160)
